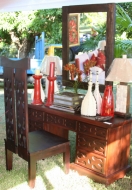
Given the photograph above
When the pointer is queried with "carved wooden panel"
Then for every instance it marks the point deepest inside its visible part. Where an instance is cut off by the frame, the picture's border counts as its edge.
(35, 125)
(36, 114)
(91, 161)
(92, 130)
(21, 113)
(9, 110)
(55, 119)
(91, 144)
(36, 119)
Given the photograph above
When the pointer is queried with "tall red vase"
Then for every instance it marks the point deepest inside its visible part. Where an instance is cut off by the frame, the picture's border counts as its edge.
(107, 107)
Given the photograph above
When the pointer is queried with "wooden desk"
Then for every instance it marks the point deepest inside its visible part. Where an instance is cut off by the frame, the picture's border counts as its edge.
(102, 150)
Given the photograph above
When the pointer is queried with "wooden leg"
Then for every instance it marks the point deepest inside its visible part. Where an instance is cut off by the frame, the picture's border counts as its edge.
(31, 172)
(9, 158)
(66, 159)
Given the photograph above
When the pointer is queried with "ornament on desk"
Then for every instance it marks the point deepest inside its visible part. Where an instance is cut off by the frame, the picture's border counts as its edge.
(56, 89)
(107, 107)
(36, 100)
(42, 93)
(51, 79)
(97, 95)
(88, 106)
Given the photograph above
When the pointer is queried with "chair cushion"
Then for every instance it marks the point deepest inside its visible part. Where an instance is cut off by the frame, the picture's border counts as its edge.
(40, 140)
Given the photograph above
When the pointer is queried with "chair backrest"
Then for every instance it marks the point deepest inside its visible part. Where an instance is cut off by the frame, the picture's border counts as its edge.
(16, 104)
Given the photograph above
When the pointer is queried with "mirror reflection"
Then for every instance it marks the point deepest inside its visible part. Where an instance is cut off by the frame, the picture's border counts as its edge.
(87, 41)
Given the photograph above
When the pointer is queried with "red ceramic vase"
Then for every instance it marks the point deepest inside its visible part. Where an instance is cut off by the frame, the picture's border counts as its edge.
(107, 107)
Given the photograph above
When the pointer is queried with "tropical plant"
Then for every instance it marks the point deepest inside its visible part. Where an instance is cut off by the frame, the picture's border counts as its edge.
(92, 42)
(123, 36)
(123, 47)
(123, 22)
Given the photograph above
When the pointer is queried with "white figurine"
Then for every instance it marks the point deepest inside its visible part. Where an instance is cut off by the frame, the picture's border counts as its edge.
(88, 106)
(97, 95)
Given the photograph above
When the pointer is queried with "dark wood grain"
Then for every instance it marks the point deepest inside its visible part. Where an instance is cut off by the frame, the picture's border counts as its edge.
(36, 144)
(102, 149)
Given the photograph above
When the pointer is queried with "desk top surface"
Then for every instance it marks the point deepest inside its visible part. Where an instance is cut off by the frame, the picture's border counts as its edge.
(114, 122)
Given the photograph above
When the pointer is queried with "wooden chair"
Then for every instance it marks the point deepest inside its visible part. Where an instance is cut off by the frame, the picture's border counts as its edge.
(31, 146)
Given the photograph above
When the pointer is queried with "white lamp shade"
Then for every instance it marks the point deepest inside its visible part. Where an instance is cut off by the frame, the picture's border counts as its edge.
(120, 71)
(45, 66)
(102, 44)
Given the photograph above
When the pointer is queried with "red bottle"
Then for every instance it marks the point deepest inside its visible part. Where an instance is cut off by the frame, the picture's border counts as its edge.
(107, 107)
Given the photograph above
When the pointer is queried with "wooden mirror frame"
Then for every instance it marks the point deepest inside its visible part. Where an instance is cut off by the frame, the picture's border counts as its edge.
(110, 8)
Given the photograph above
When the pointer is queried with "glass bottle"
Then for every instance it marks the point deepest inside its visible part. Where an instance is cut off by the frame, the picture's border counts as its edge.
(107, 107)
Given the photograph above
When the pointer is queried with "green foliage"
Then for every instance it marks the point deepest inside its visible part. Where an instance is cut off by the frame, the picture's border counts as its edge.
(123, 47)
(91, 44)
(123, 22)
(127, 6)
(8, 50)
(123, 37)
(20, 28)
(95, 22)
(88, 45)
(92, 20)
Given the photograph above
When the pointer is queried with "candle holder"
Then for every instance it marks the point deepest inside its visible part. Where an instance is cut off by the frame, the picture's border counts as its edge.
(51, 79)
(50, 98)
(37, 91)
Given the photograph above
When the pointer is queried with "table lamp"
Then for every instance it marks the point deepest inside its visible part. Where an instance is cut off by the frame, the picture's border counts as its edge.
(45, 67)
(102, 45)
(121, 71)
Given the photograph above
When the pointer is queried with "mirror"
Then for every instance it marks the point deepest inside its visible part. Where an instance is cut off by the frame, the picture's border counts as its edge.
(109, 10)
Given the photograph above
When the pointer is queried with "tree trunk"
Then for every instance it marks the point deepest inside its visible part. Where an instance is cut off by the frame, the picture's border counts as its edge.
(23, 46)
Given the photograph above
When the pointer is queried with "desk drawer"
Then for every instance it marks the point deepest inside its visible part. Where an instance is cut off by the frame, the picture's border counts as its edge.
(91, 144)
(91, 161)
(69, 124)
(92, 130)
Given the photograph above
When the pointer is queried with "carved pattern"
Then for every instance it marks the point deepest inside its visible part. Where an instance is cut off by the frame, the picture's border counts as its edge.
(70, 124)
(35, 125)
(9, 105)
(36, 115)
(92, 130)
(21, 114)
(91, 144)
(36, 119)
(90, 161)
